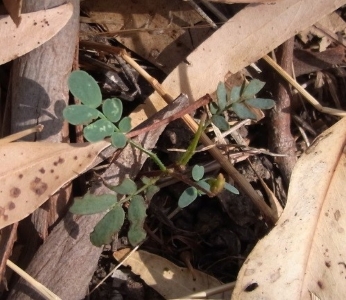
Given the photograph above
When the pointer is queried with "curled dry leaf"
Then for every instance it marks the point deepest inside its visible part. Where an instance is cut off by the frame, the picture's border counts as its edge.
(34, 30)
(305, 253)
(31, 172)
(168, 279)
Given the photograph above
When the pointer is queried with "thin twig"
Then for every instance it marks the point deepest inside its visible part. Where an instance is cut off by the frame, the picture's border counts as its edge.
(21, 134)
(192, 107)
(280, 136)
(200, 11)
(35, 284)
(305, 94)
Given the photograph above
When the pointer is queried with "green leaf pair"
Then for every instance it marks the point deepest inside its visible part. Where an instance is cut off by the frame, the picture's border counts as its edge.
(86, 89)
(191, 193)
(214, 185)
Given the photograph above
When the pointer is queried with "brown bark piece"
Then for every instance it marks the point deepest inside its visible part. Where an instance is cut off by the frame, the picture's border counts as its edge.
(281, 139)
(8, 237)
(39, 93)
(67, 260)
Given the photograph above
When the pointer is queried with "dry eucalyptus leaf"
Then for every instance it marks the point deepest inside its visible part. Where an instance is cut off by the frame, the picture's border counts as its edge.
(248, 36)
(34, 30)
(32, 172)
(14, 8)
(305, 252)
(168, 279)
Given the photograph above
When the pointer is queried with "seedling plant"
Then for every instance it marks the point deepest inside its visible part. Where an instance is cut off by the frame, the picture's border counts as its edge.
(103, 119)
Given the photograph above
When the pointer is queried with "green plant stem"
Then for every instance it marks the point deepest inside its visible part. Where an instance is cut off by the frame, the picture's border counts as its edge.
(192, 147)
(143, 188)
(152, 155)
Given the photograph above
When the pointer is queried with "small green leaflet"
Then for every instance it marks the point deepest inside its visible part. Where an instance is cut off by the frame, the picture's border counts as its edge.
(109, 225)
(85, 88)
(92, 204)
(136, 215)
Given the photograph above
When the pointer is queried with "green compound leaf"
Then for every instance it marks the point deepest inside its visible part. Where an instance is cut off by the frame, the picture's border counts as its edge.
(112, 109)
(252, 88)
(109, 225)
(220, 122)
(213, 108)
(136, 215)
(118, 140)
(221, 93)
(125, 125)
(261, 103)
(98, 130)
(242, 111)
(197, 172)
(80, 114)
(187, 197)
(127, 187)
(235, 94)
(151, 191)
(230, 188)
(85, 88)
(92, 204)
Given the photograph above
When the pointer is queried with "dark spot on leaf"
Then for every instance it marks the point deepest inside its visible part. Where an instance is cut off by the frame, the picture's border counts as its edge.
(20, 176)
(11, 205)
(38, 186)
(327, 263)
(42, 170)
(320, 285)
(59, 161)
(15, 192)
(251, 287)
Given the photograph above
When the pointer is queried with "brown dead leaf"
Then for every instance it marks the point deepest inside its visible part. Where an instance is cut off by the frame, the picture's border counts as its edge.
(32, 172)
(168, 279)
(14, 8)
(305, 252)
(35, 29)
